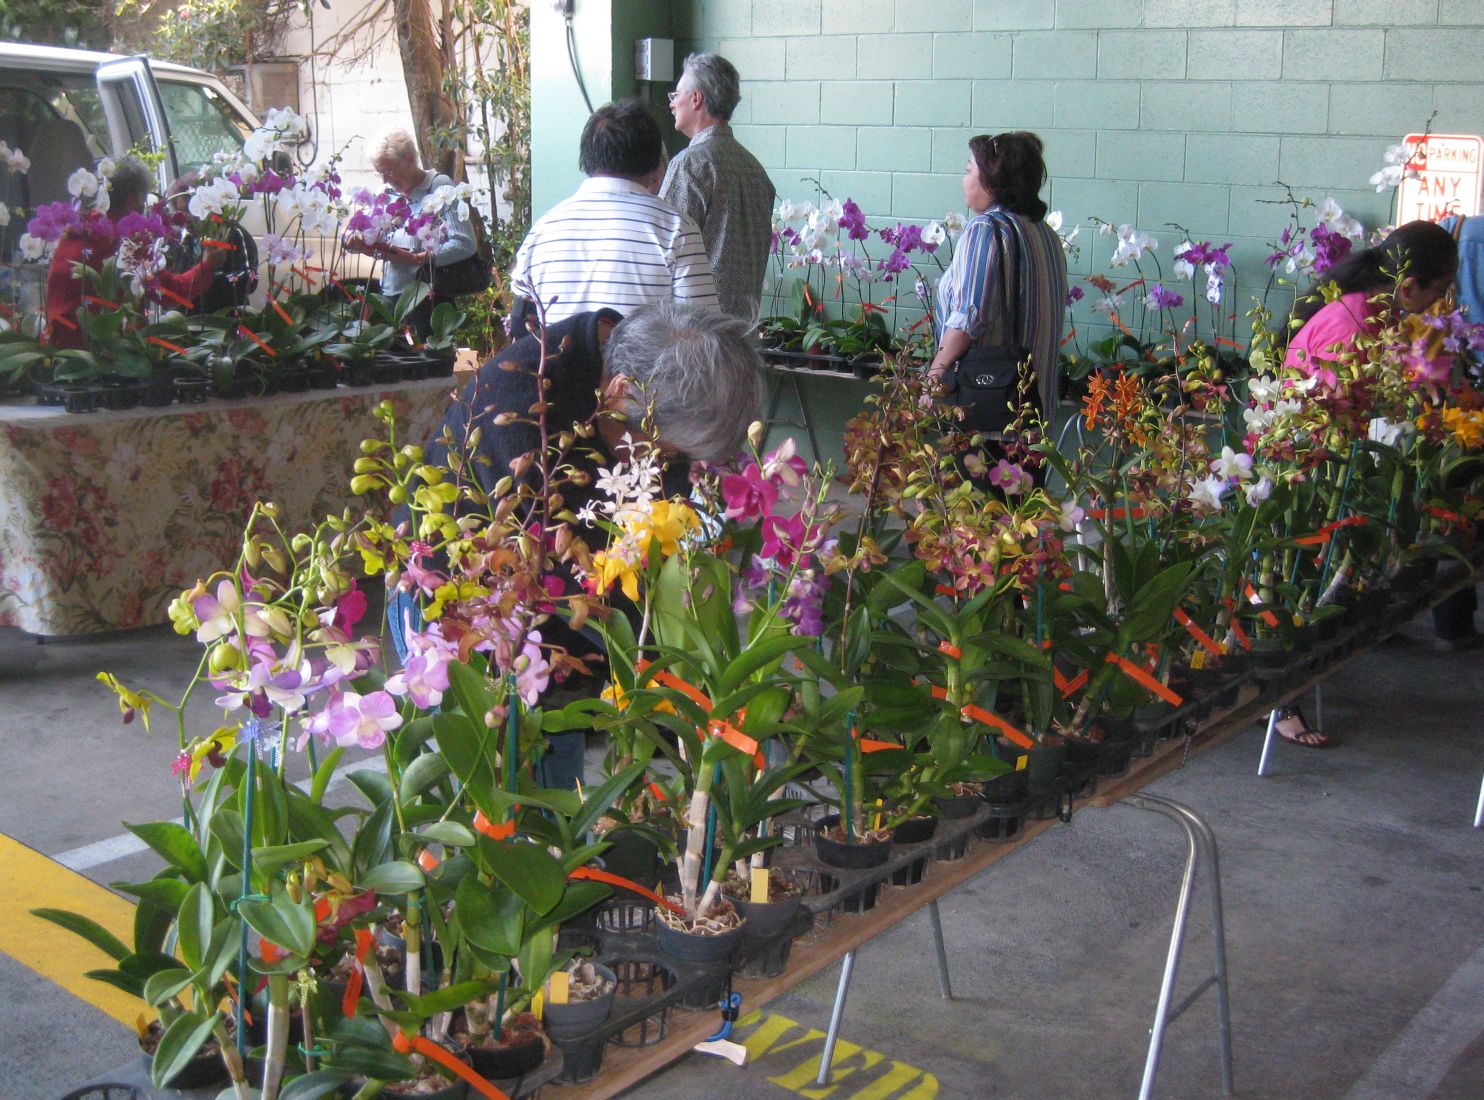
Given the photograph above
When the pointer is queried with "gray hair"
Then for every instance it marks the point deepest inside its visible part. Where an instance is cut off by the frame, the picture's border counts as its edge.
(131, 177)
(716, 79)
(694, 371)
(397, 146)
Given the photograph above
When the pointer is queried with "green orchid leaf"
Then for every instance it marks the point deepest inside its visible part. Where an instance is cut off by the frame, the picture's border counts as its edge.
(88, 929)
(599, 801)
(167, 893)
(323, 775)
(268, 860)
(196, 919)
(375, 787)
(186, 1035)
(288, 924)
(395, 877)
(531, 871)
(579, 898)
(488, 920)
(423, 773)
(446, 832)
(175, 845)
(226, 830)
(311, 1086)
(446, 999)
(373, 841)
(161, 987)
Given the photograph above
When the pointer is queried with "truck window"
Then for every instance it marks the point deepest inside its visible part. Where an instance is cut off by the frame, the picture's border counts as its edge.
(201, 122)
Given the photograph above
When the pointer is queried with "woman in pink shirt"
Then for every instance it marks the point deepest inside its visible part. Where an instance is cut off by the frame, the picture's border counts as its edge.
(1416, 263)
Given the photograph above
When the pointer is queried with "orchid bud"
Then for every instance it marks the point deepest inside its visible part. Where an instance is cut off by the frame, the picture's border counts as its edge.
(755, 432)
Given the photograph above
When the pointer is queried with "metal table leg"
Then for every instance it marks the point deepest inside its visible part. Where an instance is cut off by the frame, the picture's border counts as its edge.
(943, 984)
(1267, 742)
(1198, 838)
(827, 1055)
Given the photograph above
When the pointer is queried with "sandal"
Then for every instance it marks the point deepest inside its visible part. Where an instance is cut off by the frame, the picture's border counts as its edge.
(1299, 733)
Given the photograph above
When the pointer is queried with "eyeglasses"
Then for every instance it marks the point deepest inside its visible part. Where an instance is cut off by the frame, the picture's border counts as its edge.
(677, 93)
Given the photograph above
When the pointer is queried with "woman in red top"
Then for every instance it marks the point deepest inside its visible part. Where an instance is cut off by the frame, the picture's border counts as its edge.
(65, 285)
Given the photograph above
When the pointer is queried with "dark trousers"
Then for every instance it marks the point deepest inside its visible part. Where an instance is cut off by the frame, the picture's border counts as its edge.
(1454, 617)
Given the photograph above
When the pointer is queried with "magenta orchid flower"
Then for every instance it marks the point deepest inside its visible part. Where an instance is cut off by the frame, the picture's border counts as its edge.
(748, 495)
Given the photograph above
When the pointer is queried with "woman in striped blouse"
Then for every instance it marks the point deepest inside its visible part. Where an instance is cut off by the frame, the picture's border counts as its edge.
(1002, 185)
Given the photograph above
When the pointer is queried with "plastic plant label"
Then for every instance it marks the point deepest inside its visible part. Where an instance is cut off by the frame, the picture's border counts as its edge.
(538, 1004)
(557, 987)
(759, 885)
(1198, 659)
(1020, 763)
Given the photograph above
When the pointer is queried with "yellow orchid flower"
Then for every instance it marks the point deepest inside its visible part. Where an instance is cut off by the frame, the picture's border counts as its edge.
(453, 590)
(131, 702)
(609, 567)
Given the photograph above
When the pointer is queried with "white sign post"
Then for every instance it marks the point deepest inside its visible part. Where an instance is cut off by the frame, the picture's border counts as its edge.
(1449, 170)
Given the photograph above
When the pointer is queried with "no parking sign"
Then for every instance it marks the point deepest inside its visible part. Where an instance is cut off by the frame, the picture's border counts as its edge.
(1449, 172)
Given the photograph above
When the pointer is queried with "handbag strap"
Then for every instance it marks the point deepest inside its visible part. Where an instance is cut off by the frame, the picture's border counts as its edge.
(1009, 300)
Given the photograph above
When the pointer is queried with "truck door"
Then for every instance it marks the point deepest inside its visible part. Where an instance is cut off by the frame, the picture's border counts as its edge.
(136, 117)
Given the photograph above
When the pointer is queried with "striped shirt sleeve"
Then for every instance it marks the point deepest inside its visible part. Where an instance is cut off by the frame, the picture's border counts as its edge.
(693, 281)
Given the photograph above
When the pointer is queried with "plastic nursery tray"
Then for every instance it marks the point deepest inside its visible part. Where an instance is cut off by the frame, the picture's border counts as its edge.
(621, 935)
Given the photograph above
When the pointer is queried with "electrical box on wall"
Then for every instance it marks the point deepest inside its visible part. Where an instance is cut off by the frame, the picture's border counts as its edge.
(654, 59)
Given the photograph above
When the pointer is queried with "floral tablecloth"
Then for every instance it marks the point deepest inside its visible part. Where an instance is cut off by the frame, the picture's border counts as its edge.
(105, 517)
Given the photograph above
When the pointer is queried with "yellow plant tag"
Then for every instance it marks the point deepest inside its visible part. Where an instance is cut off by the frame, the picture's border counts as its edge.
(1021, 762)
(1298, 620)
(558, 987)
(1222, 646)
(1198, 659)
(538, 1005)
(760, 886)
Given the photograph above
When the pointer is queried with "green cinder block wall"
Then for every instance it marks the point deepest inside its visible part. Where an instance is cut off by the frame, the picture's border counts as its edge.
(1196, 112)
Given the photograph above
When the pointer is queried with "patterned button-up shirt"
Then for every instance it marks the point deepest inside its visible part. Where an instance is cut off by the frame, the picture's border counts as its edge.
(728, 193)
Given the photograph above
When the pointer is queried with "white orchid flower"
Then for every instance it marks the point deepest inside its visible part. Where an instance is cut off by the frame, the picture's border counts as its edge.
(1259, 491)
(32, 248)
(1184, 269)
(954, 222)
(1263, 389)
(1232, 464)
(934, 234)
(82, 184)
(1215, 284)
(1207, 493)
(18, 161)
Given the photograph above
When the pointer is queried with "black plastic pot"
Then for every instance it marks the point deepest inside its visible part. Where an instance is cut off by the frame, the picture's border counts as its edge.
(1043, 765)
(767, 934)
(952, 809)
(505, 1063)
(689, 947)
(855, 857)
(192, 391)
(1006, 787)
(579, 1019)
(914, 830)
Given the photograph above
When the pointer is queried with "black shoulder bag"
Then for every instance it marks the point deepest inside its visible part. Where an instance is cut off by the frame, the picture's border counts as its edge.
(986, 379)
(473, 273)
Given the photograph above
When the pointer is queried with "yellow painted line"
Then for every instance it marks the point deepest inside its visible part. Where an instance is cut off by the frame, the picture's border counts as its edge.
(28, 880)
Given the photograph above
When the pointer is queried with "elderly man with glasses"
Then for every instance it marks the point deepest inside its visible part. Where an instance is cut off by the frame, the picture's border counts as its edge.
(719, 183)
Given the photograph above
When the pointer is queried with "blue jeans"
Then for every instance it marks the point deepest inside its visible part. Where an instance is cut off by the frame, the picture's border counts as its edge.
(561, 764)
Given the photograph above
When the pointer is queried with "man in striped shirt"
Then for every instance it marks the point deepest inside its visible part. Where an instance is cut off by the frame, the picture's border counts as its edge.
(613, 244)
(720, 184)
